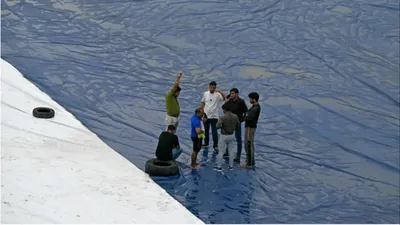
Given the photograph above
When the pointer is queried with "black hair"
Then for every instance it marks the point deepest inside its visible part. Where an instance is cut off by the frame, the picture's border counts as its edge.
(197, 110)
(213, 83)
(226, 107)
(235, 90)
(171, 127)
(254, 95)
(178, 89)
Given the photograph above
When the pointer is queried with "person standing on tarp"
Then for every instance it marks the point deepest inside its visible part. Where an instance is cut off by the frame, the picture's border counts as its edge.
(228, 123)
(210, 103)
(197, 135)
(172, 104)
(239, 108)
(250, 129)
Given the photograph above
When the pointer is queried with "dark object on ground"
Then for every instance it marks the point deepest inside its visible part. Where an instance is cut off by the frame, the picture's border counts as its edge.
(43, 112)
(156, 167)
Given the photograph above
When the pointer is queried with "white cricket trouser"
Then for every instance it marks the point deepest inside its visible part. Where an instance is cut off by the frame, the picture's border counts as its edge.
(170, 120)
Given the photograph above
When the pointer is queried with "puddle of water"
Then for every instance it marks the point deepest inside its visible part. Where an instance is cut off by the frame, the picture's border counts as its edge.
(292, 71)
(342, 9)
(67, 6)
(11, 2)
(8, 14)
(254, 72)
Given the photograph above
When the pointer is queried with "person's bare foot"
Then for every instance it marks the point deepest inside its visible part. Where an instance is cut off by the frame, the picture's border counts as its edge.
(246, 166)
(195, 167)
(198, 163)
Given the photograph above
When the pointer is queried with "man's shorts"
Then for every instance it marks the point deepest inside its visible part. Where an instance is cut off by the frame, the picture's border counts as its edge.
(197, 143)
(170, 120)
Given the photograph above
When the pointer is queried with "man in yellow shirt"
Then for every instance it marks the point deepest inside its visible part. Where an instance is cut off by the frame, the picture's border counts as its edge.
(172, 104)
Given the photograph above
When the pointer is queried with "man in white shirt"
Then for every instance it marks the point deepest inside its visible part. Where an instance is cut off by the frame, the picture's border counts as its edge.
(210, 102)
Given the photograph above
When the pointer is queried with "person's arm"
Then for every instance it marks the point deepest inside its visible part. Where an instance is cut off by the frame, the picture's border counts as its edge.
(252, 114)
(203, 101)
(198, 127)
(222, 95)
(227, 98)
(176, 145)
(237, 123)
(220, 122)
(244, 110)
(175, 86)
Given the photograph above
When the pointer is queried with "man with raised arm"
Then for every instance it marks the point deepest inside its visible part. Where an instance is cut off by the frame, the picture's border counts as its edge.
(172, 104)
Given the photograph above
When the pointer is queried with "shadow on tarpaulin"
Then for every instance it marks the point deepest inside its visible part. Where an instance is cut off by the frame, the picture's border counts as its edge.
(327, 143)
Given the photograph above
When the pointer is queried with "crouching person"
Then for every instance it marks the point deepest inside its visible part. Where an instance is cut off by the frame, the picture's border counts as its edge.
(168, 145)
(228, 123)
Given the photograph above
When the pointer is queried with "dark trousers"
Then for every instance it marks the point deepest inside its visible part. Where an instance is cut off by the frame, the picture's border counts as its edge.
(213, 123)
(238, 137)
(249, 145)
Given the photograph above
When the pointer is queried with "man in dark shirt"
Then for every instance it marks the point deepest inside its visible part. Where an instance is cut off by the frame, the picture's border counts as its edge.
(168, 145)
(251, 125)
(239, 108)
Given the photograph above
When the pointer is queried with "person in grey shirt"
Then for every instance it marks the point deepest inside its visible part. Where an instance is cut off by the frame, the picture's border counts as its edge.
(228, 123)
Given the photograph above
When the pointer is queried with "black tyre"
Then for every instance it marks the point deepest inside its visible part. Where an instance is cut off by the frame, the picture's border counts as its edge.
(155, 167)
(43, 112)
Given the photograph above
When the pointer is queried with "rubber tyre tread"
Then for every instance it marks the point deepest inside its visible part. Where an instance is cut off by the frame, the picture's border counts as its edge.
(43, 112)
(172, 169)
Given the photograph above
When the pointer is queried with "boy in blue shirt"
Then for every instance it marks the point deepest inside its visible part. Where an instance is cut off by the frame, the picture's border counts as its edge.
(197, 135)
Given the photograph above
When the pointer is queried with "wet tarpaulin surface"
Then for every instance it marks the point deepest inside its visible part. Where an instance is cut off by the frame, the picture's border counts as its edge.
(327, 145)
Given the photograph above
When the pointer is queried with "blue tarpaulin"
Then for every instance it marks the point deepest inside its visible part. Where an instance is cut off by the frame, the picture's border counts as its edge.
(327, 142)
